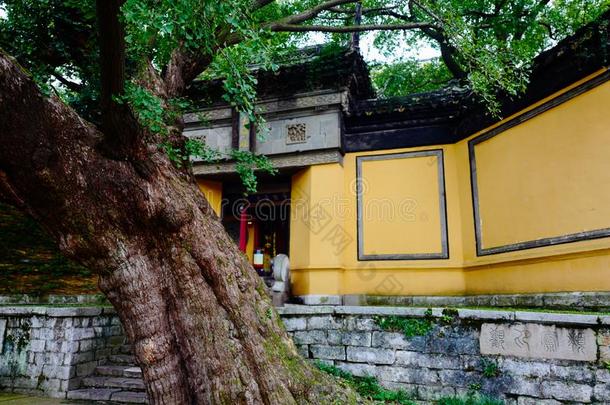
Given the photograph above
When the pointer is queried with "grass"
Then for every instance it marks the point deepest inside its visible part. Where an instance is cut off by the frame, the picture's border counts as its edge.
(490, 368)
(411, 327)
(368, 387)
(30, 262)
(475, 399)
(509, 309)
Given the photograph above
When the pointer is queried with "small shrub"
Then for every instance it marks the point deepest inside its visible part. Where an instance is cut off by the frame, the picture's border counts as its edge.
(448, 315)
(490, 368)
(368, 387)
(473, 389)
(607, 365)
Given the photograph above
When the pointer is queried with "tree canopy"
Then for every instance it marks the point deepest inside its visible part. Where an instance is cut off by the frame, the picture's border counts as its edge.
(487, 43)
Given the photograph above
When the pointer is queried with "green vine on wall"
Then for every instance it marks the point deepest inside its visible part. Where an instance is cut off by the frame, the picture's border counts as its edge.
(17, 340)
(411, 327)
(368, 387)
(20, 337)
(246, 163)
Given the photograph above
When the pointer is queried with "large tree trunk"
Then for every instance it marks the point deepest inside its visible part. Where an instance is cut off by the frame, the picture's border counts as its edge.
(203, 329)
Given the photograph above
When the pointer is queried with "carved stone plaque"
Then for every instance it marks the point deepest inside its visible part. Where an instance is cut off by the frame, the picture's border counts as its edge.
(538, 341)
(296, 133)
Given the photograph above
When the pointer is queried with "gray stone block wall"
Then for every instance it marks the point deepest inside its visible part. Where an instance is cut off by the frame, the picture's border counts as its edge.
(448, 360)
(48, 350)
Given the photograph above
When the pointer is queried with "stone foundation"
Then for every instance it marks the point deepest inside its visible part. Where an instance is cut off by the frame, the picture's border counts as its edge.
(521, 357)
(48, 350)
(587, 301)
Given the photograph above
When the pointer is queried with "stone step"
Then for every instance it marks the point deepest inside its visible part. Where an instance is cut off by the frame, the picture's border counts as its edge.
(123, 383)
(130, 397)
(126, 349)
(92, 394)
(118, 371)
(109, 394)
(122, 359)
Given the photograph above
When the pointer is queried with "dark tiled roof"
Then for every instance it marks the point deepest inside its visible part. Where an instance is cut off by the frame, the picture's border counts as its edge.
(447, 99)
(572, 59)
(414, 120)
(453, 113)
(311, 69)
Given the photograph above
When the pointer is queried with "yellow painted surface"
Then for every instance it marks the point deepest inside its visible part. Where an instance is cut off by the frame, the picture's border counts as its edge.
(317, 233)
(392, 281)
(422, 211)
(401, 212)
(212, 190)
(588, 271)
(326, 281)
(547, 177)
(579, 272)
(250, 243)
(299, 225)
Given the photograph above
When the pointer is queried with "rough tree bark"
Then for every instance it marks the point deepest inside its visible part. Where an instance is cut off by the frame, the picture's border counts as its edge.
(203, 330)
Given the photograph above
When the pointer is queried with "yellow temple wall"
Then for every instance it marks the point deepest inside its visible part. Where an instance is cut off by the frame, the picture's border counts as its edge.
(212, 190)
(542, 199)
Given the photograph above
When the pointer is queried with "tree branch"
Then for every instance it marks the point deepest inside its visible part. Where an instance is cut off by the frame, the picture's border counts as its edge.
(258, 4)
(282, 27)
(182, 69)
(68, 83)
(335, 19)
(532, 14)
(427, 11)
(112, 50)
(448, 51)
(120, 127)
(367, 11)
(312, 12)
(339, 10)
(549, 29)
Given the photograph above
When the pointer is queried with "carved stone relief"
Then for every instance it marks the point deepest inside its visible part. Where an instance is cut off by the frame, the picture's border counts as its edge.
(296, 133)
(538, 341)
